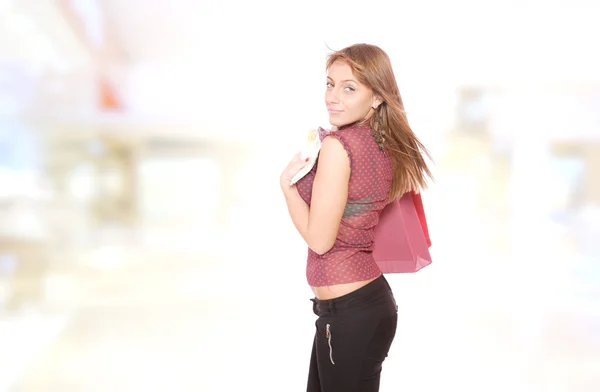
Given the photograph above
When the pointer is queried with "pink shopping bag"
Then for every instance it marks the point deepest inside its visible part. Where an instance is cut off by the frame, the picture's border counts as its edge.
(402, 237)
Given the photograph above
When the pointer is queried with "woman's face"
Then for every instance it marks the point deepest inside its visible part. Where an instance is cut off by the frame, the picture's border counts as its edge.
(346, 99)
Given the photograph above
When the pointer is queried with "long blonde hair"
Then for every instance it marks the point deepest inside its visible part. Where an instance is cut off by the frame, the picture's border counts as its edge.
(372, 66)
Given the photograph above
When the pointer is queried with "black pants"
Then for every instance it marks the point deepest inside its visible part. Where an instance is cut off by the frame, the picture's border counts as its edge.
(353, 337)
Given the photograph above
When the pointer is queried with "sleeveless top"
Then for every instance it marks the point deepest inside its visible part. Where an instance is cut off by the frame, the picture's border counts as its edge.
(351, 257)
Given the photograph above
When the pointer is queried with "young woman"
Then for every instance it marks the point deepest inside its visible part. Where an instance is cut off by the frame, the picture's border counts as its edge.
(370, 157)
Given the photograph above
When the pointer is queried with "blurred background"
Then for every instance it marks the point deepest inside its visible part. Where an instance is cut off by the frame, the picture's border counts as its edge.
(144, 242)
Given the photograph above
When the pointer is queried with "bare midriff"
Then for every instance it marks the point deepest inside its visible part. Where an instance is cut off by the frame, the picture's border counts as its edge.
(338, 290)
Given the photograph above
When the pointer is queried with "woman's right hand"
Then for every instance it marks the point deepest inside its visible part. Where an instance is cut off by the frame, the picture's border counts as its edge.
(293, 167)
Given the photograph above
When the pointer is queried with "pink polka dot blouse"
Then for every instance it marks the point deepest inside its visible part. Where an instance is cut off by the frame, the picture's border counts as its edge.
(350, 259)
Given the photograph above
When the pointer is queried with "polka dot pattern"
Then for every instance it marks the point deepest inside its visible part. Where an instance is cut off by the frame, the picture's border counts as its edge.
(351, 258)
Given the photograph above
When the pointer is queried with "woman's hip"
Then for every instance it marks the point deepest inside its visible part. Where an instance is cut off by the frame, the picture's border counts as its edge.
(372, 300)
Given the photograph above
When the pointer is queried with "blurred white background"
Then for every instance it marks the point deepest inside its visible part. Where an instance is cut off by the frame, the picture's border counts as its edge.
(144, 243)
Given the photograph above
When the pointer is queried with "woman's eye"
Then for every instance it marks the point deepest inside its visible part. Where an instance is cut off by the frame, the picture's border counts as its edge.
(350, 89)
(329, 85)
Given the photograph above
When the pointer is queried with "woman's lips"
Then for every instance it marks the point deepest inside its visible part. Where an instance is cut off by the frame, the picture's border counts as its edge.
(333, 111)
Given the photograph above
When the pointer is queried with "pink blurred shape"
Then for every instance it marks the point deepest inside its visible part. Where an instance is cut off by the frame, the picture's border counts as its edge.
(401, 237)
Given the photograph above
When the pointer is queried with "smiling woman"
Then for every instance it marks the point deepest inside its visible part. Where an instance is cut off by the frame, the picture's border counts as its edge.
(370, 157)
(348, 101)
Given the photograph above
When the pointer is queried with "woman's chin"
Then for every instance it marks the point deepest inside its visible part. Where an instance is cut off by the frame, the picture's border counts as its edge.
(336, 122)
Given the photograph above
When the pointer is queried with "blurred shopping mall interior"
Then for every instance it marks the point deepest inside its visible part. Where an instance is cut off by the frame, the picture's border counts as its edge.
(144, 242)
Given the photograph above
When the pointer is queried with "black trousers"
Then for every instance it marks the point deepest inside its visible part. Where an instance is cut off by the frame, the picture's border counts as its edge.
(354, 334)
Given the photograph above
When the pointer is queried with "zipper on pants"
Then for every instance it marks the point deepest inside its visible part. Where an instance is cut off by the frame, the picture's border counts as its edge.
(328, 336)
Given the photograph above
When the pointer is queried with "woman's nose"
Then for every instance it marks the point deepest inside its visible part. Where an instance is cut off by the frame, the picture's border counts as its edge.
(332, 96)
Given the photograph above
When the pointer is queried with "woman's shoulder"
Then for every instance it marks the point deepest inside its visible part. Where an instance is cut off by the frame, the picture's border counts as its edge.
(355, 134)
(356, 127)
(356, 139)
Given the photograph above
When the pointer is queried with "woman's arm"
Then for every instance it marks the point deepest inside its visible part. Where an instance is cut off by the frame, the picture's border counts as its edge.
(319, 224)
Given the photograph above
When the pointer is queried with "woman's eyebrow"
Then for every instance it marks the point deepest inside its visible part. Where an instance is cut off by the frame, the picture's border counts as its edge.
(347, 80)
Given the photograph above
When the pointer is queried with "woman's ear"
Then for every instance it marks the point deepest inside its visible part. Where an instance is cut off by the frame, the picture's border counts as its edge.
(376, 102)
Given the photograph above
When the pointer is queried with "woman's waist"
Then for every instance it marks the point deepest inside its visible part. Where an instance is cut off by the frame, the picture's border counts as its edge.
(338, 273)
(339, 290)
(371, 295)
